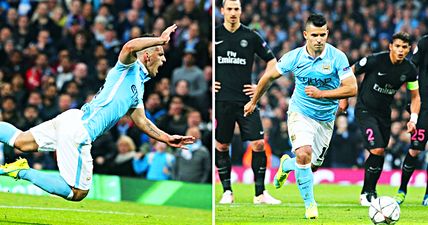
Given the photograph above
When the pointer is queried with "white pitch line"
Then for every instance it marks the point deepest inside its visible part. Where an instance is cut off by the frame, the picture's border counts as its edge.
(67, 209)
(301, 204)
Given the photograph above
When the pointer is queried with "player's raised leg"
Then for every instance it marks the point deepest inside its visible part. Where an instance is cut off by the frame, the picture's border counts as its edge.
(25, 141)
(286, 165)
(8, 133)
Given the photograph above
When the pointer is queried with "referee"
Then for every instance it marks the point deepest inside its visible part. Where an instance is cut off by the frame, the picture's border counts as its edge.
(235, 46)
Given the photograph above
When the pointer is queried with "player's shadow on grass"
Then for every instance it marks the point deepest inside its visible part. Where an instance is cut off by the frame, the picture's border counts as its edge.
(17, 222)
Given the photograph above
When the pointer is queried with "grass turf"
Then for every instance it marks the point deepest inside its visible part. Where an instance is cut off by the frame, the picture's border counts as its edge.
(27, 209)
(336, 205)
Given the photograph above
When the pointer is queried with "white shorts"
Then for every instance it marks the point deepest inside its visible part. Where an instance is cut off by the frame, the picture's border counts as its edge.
(306, 131)
(66, 135)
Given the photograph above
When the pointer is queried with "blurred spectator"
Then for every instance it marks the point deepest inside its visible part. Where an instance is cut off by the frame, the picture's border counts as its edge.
(102, 69)
(191, 73)
(156, 164)
(81, 49)
(125, 127)
(8, 110)
(193, 164)
(34, 75)
(50, 103)
(41, 21)
(31, 118)
(64, 103)
(122, 163)
(182, 90)
(174, 121)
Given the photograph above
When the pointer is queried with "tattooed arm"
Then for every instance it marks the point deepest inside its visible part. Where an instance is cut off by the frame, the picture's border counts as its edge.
(139, 117)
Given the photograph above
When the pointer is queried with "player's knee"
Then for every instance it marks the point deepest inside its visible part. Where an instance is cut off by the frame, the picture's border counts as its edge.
(26, 142)
(304, 154)
(222, 147)
(414, 153)
(258, 145)
(378, 151)
(79, 195)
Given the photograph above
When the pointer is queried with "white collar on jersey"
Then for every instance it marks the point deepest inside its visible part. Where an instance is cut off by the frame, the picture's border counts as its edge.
(145, 77)
(323, 53)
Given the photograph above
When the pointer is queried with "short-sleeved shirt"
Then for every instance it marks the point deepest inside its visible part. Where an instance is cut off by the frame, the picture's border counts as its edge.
(122, 90)
(420, 59)
(382, 80)
(234, 57)
(324, 72)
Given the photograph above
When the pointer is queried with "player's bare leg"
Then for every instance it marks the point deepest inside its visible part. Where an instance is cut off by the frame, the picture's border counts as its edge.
(224, 167)
(24, 141)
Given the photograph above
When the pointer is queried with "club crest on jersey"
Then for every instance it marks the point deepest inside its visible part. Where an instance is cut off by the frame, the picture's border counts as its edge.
(244, 43)
(363, 61)
(326, 67)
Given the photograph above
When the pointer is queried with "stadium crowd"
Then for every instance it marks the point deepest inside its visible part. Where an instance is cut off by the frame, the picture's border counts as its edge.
(358, 28)
(55, 55)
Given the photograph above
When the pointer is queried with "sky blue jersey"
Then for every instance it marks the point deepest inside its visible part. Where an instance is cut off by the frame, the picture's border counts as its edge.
(324, 72)
(122, 90)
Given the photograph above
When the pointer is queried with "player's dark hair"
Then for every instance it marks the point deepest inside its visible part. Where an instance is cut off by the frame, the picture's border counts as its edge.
(317, 20)
(405, 37)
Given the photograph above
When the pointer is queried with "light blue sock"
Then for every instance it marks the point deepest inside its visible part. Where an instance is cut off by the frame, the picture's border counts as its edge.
(8, 133)
(289, 165)
(305, 182)
(52, 183)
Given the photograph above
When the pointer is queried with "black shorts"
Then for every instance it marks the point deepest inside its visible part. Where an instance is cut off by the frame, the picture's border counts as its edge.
(419, 139)
(375, 129)
(228, 113)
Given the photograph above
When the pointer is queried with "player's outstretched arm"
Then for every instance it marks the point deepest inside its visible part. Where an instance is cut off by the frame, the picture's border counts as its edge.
(268, 77)
(348, 88)
(128, 53)
(177, 141)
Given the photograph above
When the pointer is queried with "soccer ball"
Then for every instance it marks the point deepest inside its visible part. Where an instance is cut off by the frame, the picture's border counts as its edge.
(384, 210)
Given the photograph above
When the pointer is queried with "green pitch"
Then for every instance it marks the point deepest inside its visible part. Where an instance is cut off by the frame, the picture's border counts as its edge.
(336, 205)
(27, 209)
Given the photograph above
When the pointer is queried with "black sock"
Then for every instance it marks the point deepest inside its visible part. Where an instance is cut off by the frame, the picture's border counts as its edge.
(409, 166)
(373, 169)
(224, 167)
(258, 164)
(426, 190)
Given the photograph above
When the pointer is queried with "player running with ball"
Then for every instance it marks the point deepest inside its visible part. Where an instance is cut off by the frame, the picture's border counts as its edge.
(322, 75)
